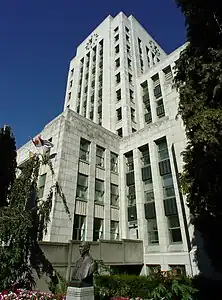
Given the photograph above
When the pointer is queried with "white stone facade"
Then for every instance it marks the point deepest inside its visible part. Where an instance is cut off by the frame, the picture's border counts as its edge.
(121, 187)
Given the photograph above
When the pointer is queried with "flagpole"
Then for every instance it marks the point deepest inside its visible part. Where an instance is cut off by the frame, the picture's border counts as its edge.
(35, 146)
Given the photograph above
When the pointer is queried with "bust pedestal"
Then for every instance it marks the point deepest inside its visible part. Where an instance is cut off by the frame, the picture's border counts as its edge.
(80, 291)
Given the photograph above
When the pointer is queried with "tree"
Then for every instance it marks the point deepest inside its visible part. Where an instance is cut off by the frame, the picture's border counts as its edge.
(199, 81)
(7, 162)
(23, 222)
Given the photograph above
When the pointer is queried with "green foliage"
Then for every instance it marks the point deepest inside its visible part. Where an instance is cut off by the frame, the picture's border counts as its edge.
(23, 223)
(58, 286)
(7, 163)
(147, 287)
(203, 22)
(199, 82)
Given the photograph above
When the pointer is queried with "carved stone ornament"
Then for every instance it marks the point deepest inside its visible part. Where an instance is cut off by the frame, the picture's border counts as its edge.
(154, 48)
(92, 41)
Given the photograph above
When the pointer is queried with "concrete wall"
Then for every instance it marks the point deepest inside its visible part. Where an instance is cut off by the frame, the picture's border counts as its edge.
(112, 253)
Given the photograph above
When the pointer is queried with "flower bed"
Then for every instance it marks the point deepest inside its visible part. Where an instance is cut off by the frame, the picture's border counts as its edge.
(21, 294)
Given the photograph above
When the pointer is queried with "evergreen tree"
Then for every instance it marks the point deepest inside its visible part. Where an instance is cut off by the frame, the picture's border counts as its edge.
(23, 223)
(199, 81)
(7, 162)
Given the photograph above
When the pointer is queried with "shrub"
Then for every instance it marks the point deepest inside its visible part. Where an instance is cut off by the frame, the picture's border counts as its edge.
(146, 287)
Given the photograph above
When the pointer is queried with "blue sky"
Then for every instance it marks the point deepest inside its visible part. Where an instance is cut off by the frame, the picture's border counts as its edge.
(38, 39)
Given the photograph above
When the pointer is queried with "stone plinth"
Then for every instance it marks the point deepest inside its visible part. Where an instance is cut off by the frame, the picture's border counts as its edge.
(80, 293)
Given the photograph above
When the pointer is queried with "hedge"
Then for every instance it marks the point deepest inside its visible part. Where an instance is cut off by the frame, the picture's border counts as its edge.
(146, 287)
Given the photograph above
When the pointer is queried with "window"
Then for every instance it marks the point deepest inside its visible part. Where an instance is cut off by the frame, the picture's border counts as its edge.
(99, 190)
(117, 49)
(162, 149)
(174, 229)
(118, 78)
(42, 179)
(114, 195)
(149, 196)
(132, 114)
(127, 38)
(130, 163)
(145, 157)
(131, 195)
(82, 186)
(118, 95)
(117, 62)
(127, 29)
(100, 153)
(148, 58)
(114, 225)
(130, 78)
(168, 188)
(69, 95)
(131, 95)
(100, 77)
(97, 229)
(119, 114)
(133, 130)
(113, 162)
(128, 49)
(160, 108)
(84, 150)
(178, 269)
(120, 132)
(129, 63)
(100, 92)
(70, 84)
(116, 37)
(116, 29)
(93, 83)
(168, 73)
(72, 72)
(86, 89)
(133, 231)
(87, 75)
(152, 231)
(79, 228)
(100, 118)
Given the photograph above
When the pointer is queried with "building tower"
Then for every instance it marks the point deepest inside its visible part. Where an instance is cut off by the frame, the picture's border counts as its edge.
(117, 149)
(104, 71)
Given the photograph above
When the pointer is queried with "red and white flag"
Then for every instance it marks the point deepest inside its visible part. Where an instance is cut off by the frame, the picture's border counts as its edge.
(39, 142)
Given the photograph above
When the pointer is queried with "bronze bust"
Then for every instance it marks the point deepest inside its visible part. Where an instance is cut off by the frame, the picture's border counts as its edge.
(84, 268)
